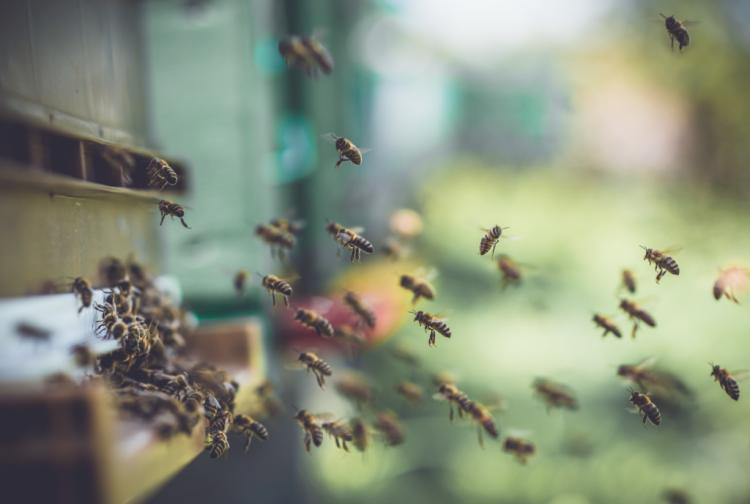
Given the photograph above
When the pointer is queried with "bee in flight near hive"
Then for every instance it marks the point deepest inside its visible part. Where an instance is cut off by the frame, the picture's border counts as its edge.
(160, 174)
(294, 227)
(355, 388)
(83, 291)
(732, 282)
(419, 285)
(306, 53)
(279, 240)
(410, 391)
(606, 324)
(451, 393)
(341, 433)
(239, 281)
(520, 448)
(276, 285)
(482, 416)
(312, 320)
(628, 281)
(555, 395)
(346, 149)
(364, 314)
(727, 382)
(167, 208)
(646, 407)
(636, 315)
(677, 31)
(389, 427)
(318, 366)
(662, 261)
(310, 425)
(661, 382)
(432, 324)
(360, 434)
(250, 428)
(489, 239)
(509, 270)
(356, 243)
(394, 249)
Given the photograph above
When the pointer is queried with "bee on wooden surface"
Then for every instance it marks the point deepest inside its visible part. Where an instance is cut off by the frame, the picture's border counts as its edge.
(555, 395)
(451, 393)
(677, 31)
(218, 444)
(160, 174)
(646, 407)
(727, 382)
(520, 448)
(279, 241)
(312, 320)
(636, 315)
(732, 281)
(307, 54)
(410, 391)
(364, 314)
(628, 281)
(33, 332)
(482, 416)
(340, 431)
(646, 377)
(318, 366)
(606, 324)
(419, 286)
(355, 388)
(83, 291)
(111, 271)
(250, 428)
(276, 285)
(346, 149)
(83, 355)
(311, 427)
(294, 227)
(360, 434)
(489, 239)
(432, 324)
(167, 208)
(388, 425)
(662, 262)
(510, 271)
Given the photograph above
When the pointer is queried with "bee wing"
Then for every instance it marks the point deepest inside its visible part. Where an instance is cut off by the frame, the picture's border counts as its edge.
(321, 305)
(330, 137)
(516, 432)
(741, 374)
(439, 397)
(426, 274)
(647, 362)
(326, 415)
(364, 150)
(672, 249)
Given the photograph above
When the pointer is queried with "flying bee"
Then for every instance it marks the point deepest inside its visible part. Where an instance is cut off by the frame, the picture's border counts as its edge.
(482, 416)
(555, 395)
(250, 428)
(732, 281)
(276, 285)
(340, 432)
(646, 377)
(167, 208)
(318, 366)
(419, 286)
(346, 149)
(646, 407)
(83, 355)
(294, 227)
(677, 31)
(606, 324)
(520, 448)
(82, 289)
(319, 54)
(510, 270)
(307, 54)
(663, 263)
(410, 391)
(449, 392)
(394, 250)
(311, 427)
(727, 382)
(390, 428)
(360, 434)
(271, 405)
(160, 174)
(365, 315)
(628, 281)
(489, 239)
(312, 320)
(356, 243)
(239, 281)
(355, 388)
(279, 241)
(636, 315)
(432, 324)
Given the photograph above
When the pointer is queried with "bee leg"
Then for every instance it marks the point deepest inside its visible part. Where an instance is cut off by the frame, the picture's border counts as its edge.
(343, 444)
(162, 218)
(248, 441)
(184, 223)
(481, 437)
(450, 414)
(493, 250)
(286, 301)
(273, 299)
(337, 442)
(308, 439)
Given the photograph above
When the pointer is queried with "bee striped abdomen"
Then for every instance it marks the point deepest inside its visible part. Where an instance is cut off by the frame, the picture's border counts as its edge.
(731, 387)
(259, 430)
(668, 263)
(316, 432)
(489, 240)
(652, 413)
(442, 328)
(323, 368)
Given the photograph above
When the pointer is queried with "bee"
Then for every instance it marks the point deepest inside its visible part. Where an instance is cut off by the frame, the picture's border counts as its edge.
(112, 270)
(732, 281)
(346, 149)
(160, 174)
(404, 355)
(360, 434)
(138, 274)
(314, 321)
(520, 448)
(318, 366)
(481, 414)
(432, 324)
(340, 432)
(83, 291)
(510, 271)
(167, 208)
(676, 31)
(279, 241)
(354, 388)
(294, 227)
(276, 285)
(419, 287)
(83, 355)
(390, 428)
(32, 332)
(646, 406)
(726, 381)
(647, 378)
(363, 312)
(410, 391)
(606, 324)
(449, 392)
(239, 281)
(393, 249)
(356, 243)
(218, 444)
(628, 281)
(319, 54)
(311, 427)
(307, 54)
(636, 315)
(489, 239)
(662, 262)
(250, 428)
(555, 395)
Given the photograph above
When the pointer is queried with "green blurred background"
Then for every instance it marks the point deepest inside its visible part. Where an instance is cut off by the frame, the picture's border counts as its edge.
(574, 125)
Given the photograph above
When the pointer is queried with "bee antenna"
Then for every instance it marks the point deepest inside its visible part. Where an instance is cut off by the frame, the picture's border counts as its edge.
(644, 248)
